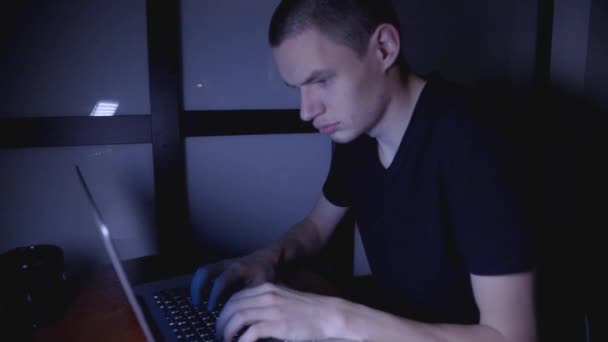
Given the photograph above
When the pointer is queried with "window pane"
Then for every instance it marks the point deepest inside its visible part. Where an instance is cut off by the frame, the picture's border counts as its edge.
(66, 56)
(42, 201)
(227, 62)
(238, 212)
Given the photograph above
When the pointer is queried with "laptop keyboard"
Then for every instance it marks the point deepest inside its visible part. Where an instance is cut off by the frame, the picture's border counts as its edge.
(188, 323)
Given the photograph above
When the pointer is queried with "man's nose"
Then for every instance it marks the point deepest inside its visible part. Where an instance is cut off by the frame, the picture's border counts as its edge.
(310, 107)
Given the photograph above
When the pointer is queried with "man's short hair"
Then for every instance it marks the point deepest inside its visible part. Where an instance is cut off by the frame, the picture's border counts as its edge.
(347, 22)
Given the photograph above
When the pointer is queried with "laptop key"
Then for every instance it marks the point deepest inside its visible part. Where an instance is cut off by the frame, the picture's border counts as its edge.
(188, 322)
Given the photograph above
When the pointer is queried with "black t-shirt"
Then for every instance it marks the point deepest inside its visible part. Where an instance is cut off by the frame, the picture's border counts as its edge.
(450, 204)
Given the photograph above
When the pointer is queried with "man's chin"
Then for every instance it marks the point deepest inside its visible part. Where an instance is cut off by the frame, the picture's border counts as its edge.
(342, 137)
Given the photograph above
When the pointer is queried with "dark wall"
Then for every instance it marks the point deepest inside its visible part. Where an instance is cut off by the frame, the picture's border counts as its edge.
(596, 76)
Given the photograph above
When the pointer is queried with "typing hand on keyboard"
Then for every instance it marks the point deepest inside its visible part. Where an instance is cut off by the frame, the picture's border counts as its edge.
(275, 311)
(187, 322)
(220, 280)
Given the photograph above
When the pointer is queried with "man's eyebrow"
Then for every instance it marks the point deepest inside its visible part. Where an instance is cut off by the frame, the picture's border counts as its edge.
(314, 76)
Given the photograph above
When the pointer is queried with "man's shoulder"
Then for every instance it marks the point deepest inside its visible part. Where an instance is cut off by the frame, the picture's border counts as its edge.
(455, 102)
(462, 113)
(468, 124)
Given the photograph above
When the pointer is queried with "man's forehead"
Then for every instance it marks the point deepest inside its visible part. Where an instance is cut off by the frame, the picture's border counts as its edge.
(309, 52)
(297, 59)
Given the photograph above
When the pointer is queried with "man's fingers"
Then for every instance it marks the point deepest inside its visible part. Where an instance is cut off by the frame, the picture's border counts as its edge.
(201, 281)
(255, 291)
(264, 329)
(227, 283)
(234, 307)
(245, 318)
(198, 284)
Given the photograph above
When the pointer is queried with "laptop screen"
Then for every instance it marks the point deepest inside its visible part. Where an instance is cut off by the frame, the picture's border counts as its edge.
(116, 264)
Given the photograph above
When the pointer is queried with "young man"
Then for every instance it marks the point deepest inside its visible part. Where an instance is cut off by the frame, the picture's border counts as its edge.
(434, 194)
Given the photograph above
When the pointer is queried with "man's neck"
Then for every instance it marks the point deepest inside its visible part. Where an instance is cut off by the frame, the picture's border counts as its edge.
(390, 130)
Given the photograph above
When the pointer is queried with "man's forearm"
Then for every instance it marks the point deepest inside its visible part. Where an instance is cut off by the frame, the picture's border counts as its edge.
(302, 241)
(392, 328)
(360, 323)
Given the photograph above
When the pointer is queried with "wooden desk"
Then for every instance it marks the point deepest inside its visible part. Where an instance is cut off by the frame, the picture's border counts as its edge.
(101, 311)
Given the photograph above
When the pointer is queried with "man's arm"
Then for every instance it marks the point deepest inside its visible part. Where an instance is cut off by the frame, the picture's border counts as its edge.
(506, 308)
(505, 304)
(303, 240)
(306, 238)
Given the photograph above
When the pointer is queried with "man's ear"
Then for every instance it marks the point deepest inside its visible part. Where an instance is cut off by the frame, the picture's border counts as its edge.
(386, 43)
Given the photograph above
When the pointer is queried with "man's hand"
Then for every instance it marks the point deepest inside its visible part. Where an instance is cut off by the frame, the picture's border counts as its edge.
(222, 279)
(271, 311)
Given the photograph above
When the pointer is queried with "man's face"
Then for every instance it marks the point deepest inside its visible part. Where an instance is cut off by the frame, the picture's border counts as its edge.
(340, 92)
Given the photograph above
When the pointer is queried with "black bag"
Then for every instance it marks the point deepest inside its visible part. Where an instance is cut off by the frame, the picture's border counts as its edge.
(32, 288)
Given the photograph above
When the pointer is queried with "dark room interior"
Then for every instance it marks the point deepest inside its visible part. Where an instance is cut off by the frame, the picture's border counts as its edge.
(194, 150)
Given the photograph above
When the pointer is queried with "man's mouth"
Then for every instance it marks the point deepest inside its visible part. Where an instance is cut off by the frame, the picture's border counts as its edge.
(329, 129)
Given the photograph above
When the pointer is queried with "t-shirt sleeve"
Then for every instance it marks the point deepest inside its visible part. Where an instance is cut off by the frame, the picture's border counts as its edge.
(485, 199)
(335, 188)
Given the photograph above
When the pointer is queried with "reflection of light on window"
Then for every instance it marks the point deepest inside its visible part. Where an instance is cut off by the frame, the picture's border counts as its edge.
(105, 108)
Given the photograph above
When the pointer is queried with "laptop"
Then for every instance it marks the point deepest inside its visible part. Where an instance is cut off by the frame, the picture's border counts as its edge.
(163, 308)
